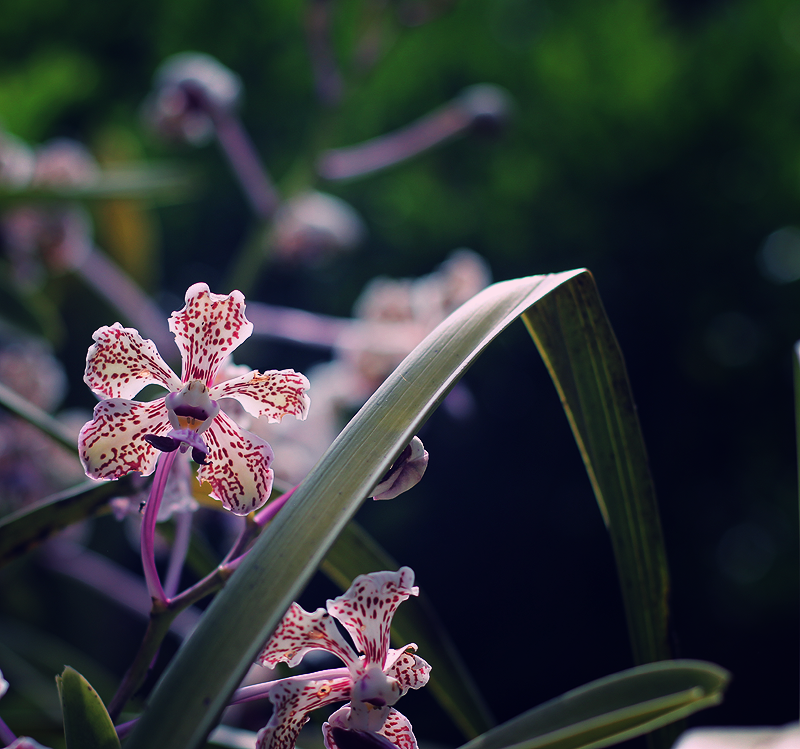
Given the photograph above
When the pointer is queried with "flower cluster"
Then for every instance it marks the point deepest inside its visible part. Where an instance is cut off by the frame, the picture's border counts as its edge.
(127, 435)
(372, 681)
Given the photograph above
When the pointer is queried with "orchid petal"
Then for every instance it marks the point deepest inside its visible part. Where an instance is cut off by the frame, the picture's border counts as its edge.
(301, 631)
(237, 466)
(397, 728)
(411, 671)
(338, 732)
(367, 608)
(207, 329)
(273, 394)
(292, 701)
(121, 363)
(113, 444)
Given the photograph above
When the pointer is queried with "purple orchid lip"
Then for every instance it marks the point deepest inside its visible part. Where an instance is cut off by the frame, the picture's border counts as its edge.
(349, 739)
(169, 443)
(192, 412)
(160, 442)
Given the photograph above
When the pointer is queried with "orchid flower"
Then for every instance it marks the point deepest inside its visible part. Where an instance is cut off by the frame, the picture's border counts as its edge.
(373, 681)
(127, 435)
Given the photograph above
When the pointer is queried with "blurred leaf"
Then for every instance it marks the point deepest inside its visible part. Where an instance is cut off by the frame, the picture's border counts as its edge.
(87, 724)
(354, 553)
(198, 683)
(613, 709)
(23, 530)
(163, 183)
(796, 371)
(39, 418)
(38, 92)
(575, 339)
(32, 313)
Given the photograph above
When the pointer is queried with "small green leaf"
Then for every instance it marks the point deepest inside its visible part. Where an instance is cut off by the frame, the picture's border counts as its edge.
(87, 724)
(355, 553)
(612, 709)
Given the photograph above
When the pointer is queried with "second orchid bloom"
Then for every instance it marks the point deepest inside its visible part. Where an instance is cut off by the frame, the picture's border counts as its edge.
(127, 435)
(373, 680)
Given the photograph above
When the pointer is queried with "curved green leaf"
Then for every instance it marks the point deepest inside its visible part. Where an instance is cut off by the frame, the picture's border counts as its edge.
(575, 339)
(613, 709)
(356, 552)
(23, 530)
(87, 724)
(197, 685)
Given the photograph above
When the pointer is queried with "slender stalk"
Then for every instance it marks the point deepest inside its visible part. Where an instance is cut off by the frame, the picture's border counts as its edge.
(272, 509)
(241, 154)
(180, 547)
(119, 289)
(160, 620)
(259, 691)
(165, 461)
(6, 734)
(395, 147)
(327, 80)
(162, 615)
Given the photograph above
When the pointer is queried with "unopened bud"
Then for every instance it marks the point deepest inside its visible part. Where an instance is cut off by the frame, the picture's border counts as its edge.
(489, 107)
(406, 472)
(312, 226)
(185, 85)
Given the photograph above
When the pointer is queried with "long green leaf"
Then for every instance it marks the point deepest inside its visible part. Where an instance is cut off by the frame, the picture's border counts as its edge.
(796, 371)
(612, 709)
(23, 530)
(575, 339)
(87, 724)
(196, 686)
(356, 552)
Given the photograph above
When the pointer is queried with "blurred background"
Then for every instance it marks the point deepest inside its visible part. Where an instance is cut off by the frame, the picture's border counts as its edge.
(656, 143)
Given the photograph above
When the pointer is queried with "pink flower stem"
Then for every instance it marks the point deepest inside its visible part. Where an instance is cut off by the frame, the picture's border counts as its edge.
(272, 509)
(252, 528)
(111, 282)
(6, 734)
(258, 691)
(392, 148)
(241, 154)
(165, 461)
(180, 547)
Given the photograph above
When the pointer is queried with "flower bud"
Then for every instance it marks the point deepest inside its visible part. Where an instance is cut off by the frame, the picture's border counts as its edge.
(488, 105)
(312, 226)
(185, 85)
(406, 472)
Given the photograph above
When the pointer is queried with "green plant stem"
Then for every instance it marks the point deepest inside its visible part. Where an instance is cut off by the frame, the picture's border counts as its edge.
(161, 617)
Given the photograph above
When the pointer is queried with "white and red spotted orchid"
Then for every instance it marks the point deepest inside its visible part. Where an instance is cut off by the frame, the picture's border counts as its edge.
(127, 435)
(375, 677)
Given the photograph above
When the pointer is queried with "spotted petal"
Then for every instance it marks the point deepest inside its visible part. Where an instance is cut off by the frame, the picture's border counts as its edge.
(237, 466)
(411, 671)
(301, 631)
(367, 608)
(292, 700)
(395, 732)
(273, 394)
(121, 363)
(207, 329)
(113, 444)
